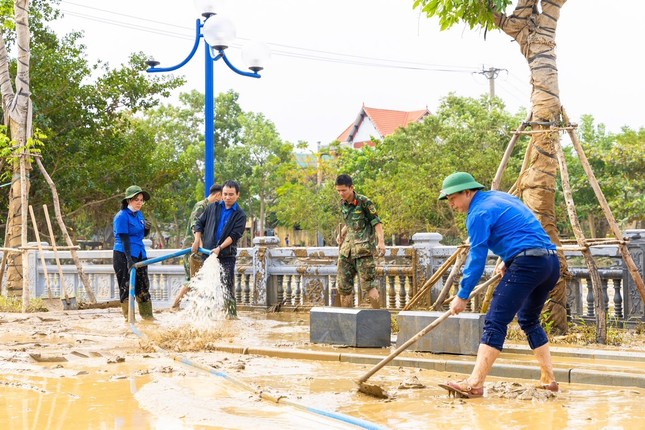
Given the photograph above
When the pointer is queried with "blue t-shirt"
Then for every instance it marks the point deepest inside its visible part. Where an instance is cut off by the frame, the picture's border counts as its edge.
(504, 224)
(132, 224)
(225, 215)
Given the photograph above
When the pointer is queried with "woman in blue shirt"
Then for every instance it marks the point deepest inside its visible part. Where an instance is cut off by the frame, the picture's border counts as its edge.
(130, 227)
(530, 269)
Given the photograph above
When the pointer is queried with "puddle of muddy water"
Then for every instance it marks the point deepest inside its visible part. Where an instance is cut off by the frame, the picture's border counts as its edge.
(65, 403)
(150, 390)
(134, 399)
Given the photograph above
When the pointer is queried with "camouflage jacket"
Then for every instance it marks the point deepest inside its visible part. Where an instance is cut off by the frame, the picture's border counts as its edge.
(198, 209)
(360, 218)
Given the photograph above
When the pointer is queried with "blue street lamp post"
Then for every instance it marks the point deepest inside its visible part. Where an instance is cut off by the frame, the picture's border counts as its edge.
(217, 32)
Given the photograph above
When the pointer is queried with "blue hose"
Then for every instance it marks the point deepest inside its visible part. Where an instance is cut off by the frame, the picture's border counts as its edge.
(182, 359)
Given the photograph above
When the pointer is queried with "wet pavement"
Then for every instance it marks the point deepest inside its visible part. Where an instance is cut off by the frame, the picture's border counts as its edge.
(261, 371)
(594, 364)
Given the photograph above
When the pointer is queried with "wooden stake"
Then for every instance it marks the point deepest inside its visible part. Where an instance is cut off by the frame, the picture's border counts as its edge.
(629, 261)
(433, 280)
(59, 218)
(596, 282)
(58, 265)
(508, 152)
(40, 252)
(459, 261)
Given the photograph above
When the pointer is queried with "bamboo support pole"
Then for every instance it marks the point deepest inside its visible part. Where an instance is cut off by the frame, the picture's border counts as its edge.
(24, 192)
(546, 130)
(629, 261)
(46, 248)
(40, 252)
(5, 257)
(433, 280)
(61, 225)
(491, 289)
(596, 282)
(479, 288)
(459, 261)
(508, 152)
(514, 190)
(61, 279)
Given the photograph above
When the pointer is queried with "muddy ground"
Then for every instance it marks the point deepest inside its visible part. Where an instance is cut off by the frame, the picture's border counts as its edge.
(88, 369)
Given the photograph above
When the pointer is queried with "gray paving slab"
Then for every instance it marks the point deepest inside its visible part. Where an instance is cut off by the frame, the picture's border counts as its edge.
(458, 334)
(362, 328)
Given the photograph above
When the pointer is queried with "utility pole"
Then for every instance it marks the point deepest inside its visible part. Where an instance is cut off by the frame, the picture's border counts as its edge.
(491, 74)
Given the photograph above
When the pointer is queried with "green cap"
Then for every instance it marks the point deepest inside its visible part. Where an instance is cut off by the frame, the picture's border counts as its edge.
(133, 190)
(457, 182)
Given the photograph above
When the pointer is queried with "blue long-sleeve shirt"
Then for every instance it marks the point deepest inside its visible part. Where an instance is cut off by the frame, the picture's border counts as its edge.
(132, 224)
(505, 225)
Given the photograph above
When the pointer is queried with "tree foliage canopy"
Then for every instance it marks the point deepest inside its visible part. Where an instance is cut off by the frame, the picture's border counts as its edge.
(472, 12)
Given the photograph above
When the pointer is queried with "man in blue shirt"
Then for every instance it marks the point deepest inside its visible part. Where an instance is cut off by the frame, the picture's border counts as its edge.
(219, 228)
(530, 269)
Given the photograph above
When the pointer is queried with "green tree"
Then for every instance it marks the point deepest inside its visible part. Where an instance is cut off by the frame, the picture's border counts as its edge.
(532, 24)
(259, 163)
(404, 173)
(618, 164)
(307, 199)
(89, 116)
(95, 125)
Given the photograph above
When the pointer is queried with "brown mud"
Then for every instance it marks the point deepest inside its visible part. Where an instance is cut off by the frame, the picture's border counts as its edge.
(87, 369)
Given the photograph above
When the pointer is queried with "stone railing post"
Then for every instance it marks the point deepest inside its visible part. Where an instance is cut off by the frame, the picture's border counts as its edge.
(261, 264)
(424, 244)
(633, 301)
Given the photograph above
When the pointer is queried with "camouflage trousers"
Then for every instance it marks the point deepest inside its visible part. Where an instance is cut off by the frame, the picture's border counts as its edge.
(348, 267)
(192, 264)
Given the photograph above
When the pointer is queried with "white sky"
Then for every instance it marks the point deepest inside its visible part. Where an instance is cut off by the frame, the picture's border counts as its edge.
(329, 57)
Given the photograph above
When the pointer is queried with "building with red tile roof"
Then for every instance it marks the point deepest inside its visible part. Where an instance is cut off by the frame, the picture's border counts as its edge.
(378, 123)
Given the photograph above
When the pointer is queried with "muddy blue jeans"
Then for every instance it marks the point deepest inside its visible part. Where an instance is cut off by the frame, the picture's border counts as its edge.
(522, 291)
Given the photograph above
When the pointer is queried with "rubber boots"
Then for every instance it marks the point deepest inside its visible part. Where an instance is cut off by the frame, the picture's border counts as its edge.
(145, 310)
(124, 309)
(230, 306)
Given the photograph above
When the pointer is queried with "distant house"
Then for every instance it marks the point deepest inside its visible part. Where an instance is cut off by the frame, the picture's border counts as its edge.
(378, 123)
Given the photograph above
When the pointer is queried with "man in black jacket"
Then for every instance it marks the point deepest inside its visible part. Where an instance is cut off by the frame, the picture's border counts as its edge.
(219, 228)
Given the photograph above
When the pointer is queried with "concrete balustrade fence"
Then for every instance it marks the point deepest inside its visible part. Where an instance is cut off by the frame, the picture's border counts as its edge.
(270, 276)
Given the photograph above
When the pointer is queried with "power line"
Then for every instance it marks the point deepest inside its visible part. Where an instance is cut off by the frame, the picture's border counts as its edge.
(283, 50)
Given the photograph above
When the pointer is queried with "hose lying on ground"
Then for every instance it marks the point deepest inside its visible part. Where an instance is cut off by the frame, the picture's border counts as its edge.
(263, 395)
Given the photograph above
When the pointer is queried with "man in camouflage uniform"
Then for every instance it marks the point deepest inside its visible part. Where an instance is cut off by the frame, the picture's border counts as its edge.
(192, 263)
(357, 244)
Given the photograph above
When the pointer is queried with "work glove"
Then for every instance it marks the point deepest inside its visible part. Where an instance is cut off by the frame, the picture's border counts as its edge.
(147, 225)
(130, 264)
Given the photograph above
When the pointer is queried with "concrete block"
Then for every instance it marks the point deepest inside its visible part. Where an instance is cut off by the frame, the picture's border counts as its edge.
(458, 334)
(363, 328)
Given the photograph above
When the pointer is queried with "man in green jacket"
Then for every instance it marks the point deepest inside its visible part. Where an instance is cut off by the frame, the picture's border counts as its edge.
(357, 244)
